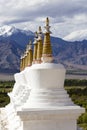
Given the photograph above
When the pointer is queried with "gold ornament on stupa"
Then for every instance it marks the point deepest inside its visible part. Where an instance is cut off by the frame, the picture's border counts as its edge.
(35, 48)
(25, 59)
(39, 46)
(21, 63)
(47, 49)
(26, 56)
(30, 54)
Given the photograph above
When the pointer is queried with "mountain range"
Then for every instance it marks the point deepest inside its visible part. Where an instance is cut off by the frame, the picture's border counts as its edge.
(73, 54)
(78, 35)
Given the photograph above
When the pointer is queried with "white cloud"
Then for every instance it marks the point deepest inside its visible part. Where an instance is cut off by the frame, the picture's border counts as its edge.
(65, 15)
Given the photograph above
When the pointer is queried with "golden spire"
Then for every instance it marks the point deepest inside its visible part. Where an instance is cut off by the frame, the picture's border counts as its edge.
(47, 21)
(25, 59)
(47, 49)
(26, 56)
(40, 45)
(39, 30)
(30, 54)
(21, 63)
(35, 48)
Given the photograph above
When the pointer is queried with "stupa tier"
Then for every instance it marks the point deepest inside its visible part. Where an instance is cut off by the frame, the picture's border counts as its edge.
(38, 100)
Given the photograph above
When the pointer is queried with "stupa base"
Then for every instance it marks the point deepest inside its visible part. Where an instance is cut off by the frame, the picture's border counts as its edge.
(61, 118)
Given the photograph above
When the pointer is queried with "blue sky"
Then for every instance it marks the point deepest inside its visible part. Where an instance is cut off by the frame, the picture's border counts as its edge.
(65, 16)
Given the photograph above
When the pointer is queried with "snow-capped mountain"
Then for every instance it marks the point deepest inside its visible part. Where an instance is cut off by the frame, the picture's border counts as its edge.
(9, 30)
(13, 42)
(79, 35)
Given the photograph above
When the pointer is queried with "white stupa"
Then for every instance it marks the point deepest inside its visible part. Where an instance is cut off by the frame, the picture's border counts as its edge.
(38, 100)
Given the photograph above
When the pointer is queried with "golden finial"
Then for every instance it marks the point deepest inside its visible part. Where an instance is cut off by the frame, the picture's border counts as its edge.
(26, 55)
(30, 45)
(23, 66)
(39, 33)
(35, 53)
(39, 30)
(21, 63)
(30, 54)
(25, 58)
(47, 50)
(40, 45)
(47, 21)
(35, 48)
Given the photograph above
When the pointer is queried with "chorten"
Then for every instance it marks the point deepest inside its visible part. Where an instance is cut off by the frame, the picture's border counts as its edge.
(38, 100)
(48, 107)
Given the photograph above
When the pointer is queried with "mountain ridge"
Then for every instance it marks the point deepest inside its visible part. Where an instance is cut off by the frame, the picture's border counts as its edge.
(6, 31)
(78, 35)
(72, 54)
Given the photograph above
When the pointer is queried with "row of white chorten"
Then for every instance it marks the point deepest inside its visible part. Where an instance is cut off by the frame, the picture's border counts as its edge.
(42, 51)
